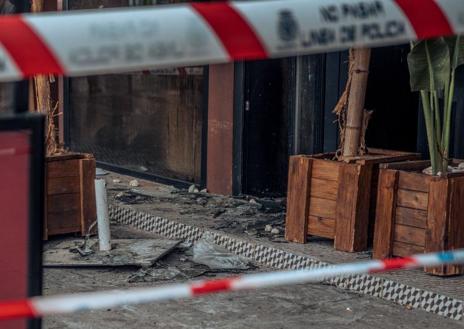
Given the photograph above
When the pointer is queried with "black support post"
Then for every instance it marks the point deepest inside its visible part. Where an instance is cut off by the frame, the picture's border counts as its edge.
(21, 93)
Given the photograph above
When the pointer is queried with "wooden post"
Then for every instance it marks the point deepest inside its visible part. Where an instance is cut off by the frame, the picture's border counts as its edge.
(445, 228)
(359, 69)
(437, 220)
(42, 98)
(298, 197)
(87, 169)
(385, 214)
(352, 213)
(220, 129)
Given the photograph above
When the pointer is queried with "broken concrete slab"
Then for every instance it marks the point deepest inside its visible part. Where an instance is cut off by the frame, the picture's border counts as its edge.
(125, 252)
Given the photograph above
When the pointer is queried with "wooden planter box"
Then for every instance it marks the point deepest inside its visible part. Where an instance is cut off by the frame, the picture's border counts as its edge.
(419, 213)
(332, 199)
(70, 194)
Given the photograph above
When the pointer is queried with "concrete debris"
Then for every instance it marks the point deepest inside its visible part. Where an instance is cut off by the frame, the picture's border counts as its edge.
(202, 201)
(185, 245)
(131, 197)
(268, 228)
(204, 191)
(116, 181)
(253, 201)
(156, 274)
(134, 183)
(193, 189)
(125, 252)
(275, 231)
(207, 252)
(218, 212)
(252, 231)
(101, 172)
(246, 210)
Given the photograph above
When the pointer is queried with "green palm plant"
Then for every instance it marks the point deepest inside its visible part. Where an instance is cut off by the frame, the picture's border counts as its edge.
(432, 66)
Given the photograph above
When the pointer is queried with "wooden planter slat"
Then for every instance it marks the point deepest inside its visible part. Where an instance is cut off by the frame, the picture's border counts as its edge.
(88, 202)
(324, 189)
(406, 249)
(70, 194)
(411, 217)
(324, 227)
(332, 199)
(352, 207)
(418, 213)
(299, 180)
(386, 201)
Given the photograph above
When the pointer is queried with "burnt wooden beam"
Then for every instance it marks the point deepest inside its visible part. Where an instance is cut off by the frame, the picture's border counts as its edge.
(219, 175)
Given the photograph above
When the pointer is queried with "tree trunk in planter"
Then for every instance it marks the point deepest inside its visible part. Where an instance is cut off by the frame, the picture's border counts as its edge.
(356, 97)
(70, 194)
(419, 213)
(332, 199)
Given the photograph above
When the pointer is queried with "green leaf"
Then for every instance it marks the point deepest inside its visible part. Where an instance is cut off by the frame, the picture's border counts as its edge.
(429, 65)
(456, 43)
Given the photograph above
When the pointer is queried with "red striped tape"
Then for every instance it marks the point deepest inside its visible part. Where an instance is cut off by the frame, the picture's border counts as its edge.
(17, 309)
(429, 21)
(234, 32)
(212, 286)
(26, 47)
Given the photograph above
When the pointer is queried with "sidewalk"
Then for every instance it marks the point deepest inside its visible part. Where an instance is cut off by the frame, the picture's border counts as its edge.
(239, 225)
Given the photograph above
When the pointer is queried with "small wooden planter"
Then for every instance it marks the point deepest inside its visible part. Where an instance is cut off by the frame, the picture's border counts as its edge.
(332, 199)
(419, 213)
(70, 194)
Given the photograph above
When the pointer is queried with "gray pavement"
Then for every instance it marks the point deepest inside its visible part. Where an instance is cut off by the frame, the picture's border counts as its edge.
(302, 306)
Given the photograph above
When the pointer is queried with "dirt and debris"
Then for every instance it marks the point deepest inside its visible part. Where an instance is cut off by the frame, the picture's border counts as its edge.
(160, 259)
(241, 214)
(207, 252)
(131, 197)
(124, 252)
(301, 306)
(134, 183)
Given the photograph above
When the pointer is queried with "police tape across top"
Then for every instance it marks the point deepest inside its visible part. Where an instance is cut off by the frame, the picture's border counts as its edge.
(117, 40)
(43, 306)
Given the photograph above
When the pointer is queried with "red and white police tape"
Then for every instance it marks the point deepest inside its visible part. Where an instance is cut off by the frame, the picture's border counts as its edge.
(106, 41)
(43, 306)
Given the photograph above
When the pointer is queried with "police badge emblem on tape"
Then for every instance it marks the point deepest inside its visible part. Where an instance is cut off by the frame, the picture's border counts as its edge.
(94, 42)
(288, 26)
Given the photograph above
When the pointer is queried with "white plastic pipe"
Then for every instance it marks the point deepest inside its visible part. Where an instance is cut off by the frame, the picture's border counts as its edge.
(103, 220)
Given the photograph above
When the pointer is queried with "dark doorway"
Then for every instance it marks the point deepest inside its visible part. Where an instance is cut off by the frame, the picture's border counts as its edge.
(265, 126)
(394, 121)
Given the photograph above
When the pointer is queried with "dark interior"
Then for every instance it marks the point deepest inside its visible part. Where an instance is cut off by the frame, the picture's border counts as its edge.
(266, 126)
(393, 124)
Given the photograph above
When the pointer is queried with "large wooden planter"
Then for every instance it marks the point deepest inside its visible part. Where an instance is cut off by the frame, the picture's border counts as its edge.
(70, 194)
(419, 213)
(334, 199)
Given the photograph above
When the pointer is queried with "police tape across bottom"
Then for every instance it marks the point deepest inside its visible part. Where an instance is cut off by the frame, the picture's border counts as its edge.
(37, 307)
